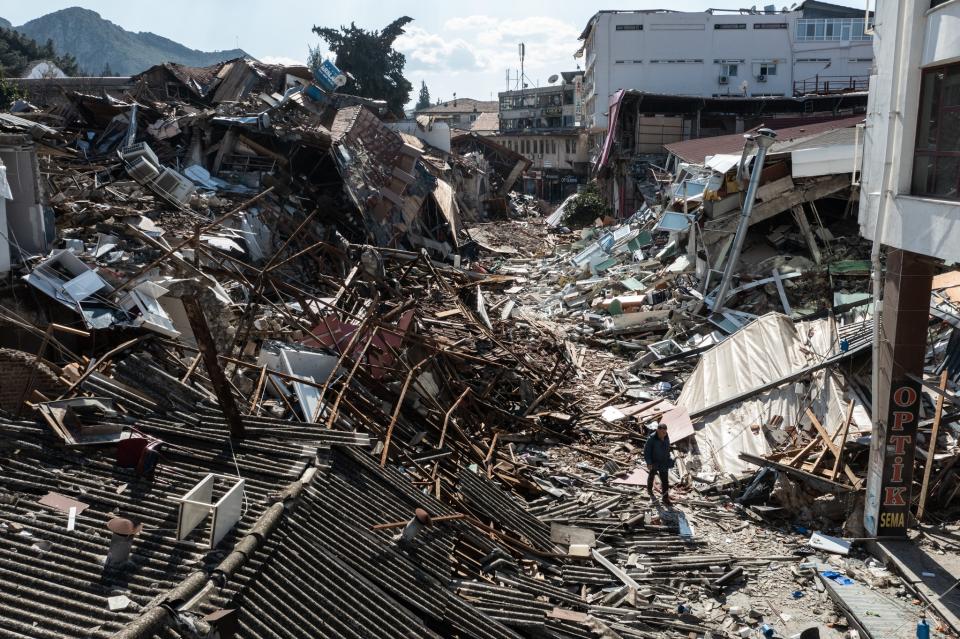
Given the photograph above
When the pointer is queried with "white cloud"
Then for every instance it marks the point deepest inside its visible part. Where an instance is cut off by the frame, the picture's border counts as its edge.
(468, 23)
(470, 54)
(427, 51)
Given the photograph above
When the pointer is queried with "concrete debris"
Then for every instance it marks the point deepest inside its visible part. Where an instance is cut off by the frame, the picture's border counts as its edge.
(316, 344)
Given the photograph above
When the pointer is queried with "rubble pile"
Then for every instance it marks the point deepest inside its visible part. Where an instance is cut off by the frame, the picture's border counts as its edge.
(272, 371)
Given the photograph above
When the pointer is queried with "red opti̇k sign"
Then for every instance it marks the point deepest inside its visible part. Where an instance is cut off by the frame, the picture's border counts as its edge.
(898, 460)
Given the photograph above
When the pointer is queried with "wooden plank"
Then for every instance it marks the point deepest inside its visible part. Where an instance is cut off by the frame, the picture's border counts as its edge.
(928, 466)
(208, 350)
(843, 441)
(833, 449)
(815, 481)
(799, 457)
(823, 453)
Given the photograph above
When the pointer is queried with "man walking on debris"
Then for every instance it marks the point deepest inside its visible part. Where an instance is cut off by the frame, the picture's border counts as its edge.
(656, 453)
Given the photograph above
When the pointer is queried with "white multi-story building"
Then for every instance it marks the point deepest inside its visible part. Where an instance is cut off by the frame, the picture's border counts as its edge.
(815, 48)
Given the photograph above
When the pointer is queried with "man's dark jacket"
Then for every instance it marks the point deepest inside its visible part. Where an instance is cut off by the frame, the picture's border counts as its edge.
(656, 452)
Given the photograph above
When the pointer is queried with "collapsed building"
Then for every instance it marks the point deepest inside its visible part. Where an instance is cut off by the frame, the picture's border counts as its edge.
(274, 373)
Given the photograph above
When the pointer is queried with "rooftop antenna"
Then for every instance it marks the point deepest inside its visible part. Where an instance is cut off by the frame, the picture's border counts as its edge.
(553, 78)
(523, 76)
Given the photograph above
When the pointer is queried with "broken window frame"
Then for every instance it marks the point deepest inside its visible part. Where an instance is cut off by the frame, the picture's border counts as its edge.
(933, 119)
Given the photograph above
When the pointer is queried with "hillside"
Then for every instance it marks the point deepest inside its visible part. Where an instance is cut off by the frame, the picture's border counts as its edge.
(96, 42)
(18, 50)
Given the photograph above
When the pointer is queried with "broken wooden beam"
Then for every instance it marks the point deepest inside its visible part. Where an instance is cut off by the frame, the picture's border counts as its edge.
(208, 350)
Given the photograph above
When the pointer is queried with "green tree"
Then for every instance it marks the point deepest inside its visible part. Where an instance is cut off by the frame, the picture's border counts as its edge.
(424, 101)
(369, 57)
(586, 207)
(17, 51)
(8, 92)
(107, 71)
(314, 59)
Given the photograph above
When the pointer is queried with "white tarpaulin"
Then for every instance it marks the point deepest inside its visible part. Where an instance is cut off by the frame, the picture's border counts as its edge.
(770, 348)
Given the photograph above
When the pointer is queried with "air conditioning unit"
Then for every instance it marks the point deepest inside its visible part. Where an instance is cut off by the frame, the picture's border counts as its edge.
(139, 150)
(142, 170)
(762, 77)
(724, 79)
(173, 185)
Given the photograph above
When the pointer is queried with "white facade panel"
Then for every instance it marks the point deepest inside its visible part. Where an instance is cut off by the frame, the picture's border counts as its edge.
(941, 42)
(909, 36)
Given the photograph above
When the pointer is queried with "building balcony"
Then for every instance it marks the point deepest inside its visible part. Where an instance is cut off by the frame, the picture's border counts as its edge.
(830, 84)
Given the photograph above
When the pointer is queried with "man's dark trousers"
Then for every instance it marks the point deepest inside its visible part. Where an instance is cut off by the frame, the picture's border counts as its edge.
(662, 473)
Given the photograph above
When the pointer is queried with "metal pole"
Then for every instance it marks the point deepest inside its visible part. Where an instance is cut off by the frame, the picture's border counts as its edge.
(764, 140)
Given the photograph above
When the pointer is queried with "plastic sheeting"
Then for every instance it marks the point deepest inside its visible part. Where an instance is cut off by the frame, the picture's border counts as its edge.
(769, 348)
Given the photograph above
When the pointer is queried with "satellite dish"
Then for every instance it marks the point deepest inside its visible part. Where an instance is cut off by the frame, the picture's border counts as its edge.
(553, 78)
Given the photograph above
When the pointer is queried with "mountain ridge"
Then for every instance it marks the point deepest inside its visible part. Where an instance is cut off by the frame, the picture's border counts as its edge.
(99, 44)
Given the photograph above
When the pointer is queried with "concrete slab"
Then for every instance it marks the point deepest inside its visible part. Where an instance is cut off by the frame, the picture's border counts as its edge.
(874, 615)
(932, 575)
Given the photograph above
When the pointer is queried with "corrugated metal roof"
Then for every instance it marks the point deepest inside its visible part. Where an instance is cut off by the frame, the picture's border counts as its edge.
(696, 151)
(834, 137)
(322, 571)
(53, 580)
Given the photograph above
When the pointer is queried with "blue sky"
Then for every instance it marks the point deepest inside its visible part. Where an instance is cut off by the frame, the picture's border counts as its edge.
(454, 46)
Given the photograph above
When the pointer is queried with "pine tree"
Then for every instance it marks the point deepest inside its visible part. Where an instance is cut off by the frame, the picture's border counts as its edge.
(369, 57)
(424, 101)
(17, 50)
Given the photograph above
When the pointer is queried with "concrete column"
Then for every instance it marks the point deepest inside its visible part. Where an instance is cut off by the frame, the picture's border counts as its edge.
(903, 342)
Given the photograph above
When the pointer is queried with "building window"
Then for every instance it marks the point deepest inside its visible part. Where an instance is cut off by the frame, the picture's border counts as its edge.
(770, 25)
(764, 69)
(730, 25)
(177, 91)
(729, 70)
(842, 29)
(936, 160)
(629, 27)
